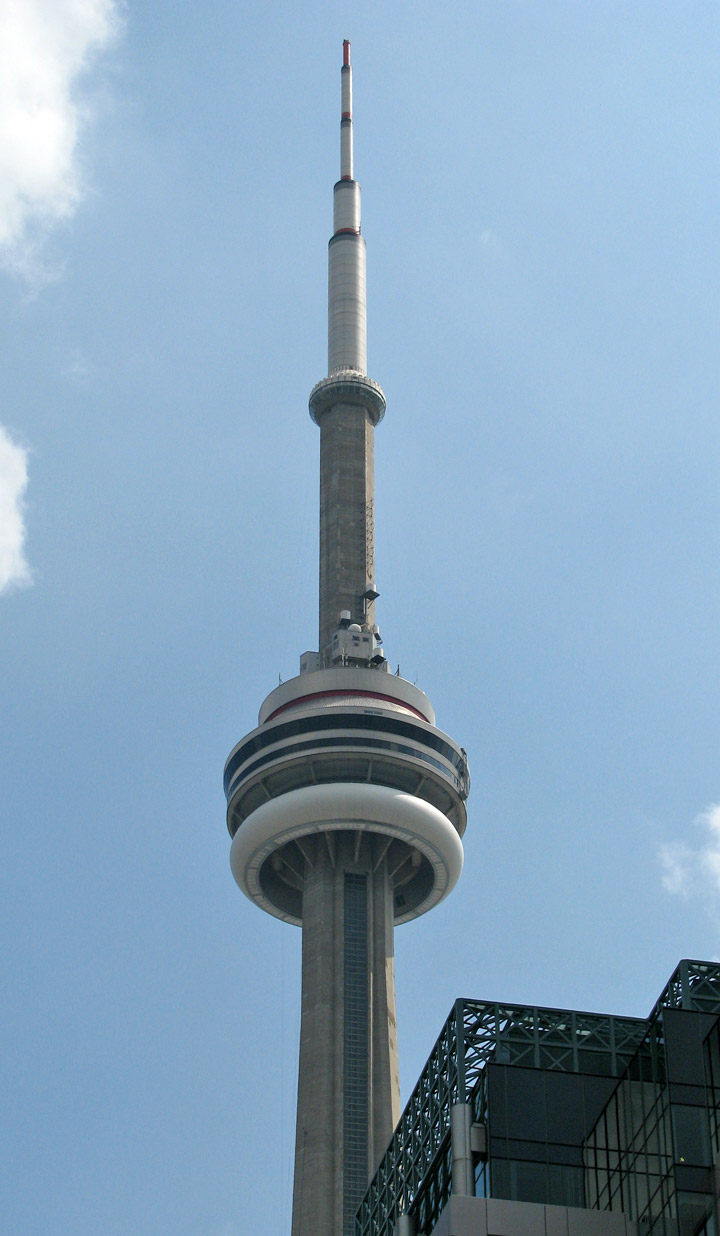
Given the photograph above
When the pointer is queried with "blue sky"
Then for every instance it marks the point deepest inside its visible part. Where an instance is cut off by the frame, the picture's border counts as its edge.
(540, 202)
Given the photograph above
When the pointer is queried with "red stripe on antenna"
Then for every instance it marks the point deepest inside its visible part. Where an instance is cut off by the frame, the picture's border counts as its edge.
(346, 53)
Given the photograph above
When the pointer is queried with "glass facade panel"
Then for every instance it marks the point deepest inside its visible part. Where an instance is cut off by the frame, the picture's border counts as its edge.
(565, 1108)
(579, 1110)
(694, 1213)
(712, 1077)
(525, 1104)
(528, 1181)
(565, 1185)
(649, 1154)
(691, 1135)
(683, 1036)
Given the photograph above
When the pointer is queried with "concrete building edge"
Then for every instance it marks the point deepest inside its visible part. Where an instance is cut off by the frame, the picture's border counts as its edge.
(475, 1216)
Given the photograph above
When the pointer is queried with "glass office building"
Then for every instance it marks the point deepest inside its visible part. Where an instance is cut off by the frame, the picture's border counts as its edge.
(551, 1122)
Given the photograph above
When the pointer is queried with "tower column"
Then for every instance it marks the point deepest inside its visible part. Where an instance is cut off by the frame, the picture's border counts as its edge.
(348, 1090)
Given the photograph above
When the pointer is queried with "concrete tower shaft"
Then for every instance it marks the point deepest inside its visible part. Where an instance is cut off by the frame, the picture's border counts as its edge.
(347, 406)
(346, 805)
(349, 1084)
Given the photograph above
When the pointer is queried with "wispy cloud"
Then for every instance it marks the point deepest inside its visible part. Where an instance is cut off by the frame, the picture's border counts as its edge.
(14, 570)
(77, 368)
(45, 47)
(694, 870)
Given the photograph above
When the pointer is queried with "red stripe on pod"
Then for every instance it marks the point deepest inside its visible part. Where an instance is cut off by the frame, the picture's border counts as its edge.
(323, 695)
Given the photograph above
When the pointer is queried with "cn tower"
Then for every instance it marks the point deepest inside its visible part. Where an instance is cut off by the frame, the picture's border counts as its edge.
(346, 806)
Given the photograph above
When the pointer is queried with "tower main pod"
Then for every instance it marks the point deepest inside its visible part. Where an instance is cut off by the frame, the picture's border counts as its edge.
(346, 806)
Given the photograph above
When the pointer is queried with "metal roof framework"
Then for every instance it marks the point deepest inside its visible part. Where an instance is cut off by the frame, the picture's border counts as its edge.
(477, 1033)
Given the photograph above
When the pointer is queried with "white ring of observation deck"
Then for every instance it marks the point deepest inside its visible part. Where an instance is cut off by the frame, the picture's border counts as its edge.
(346, 806)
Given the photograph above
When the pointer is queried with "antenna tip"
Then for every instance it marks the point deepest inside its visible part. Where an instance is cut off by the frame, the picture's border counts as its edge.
(346, 53)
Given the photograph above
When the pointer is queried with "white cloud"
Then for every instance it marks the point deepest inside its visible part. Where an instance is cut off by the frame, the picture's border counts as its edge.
(14, 570)
(694, 871)
(45, 45)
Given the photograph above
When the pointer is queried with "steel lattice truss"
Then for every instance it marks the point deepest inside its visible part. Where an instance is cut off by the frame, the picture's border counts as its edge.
(473, 1034)
(476, 1033)
(694, 985)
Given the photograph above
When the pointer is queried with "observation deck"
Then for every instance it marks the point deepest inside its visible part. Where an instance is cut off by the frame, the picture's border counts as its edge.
(338, 751)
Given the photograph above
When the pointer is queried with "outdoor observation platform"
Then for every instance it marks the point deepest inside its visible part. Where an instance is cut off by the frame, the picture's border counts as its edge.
(346, 750)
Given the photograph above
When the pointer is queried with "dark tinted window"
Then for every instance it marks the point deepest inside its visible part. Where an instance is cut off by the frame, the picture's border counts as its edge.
(565, 1186)
(565, 1114)
(526, 1104)
(683, 1047)
(496, 1101)
(691, 1135)
(337, 719)
(528, 1182)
